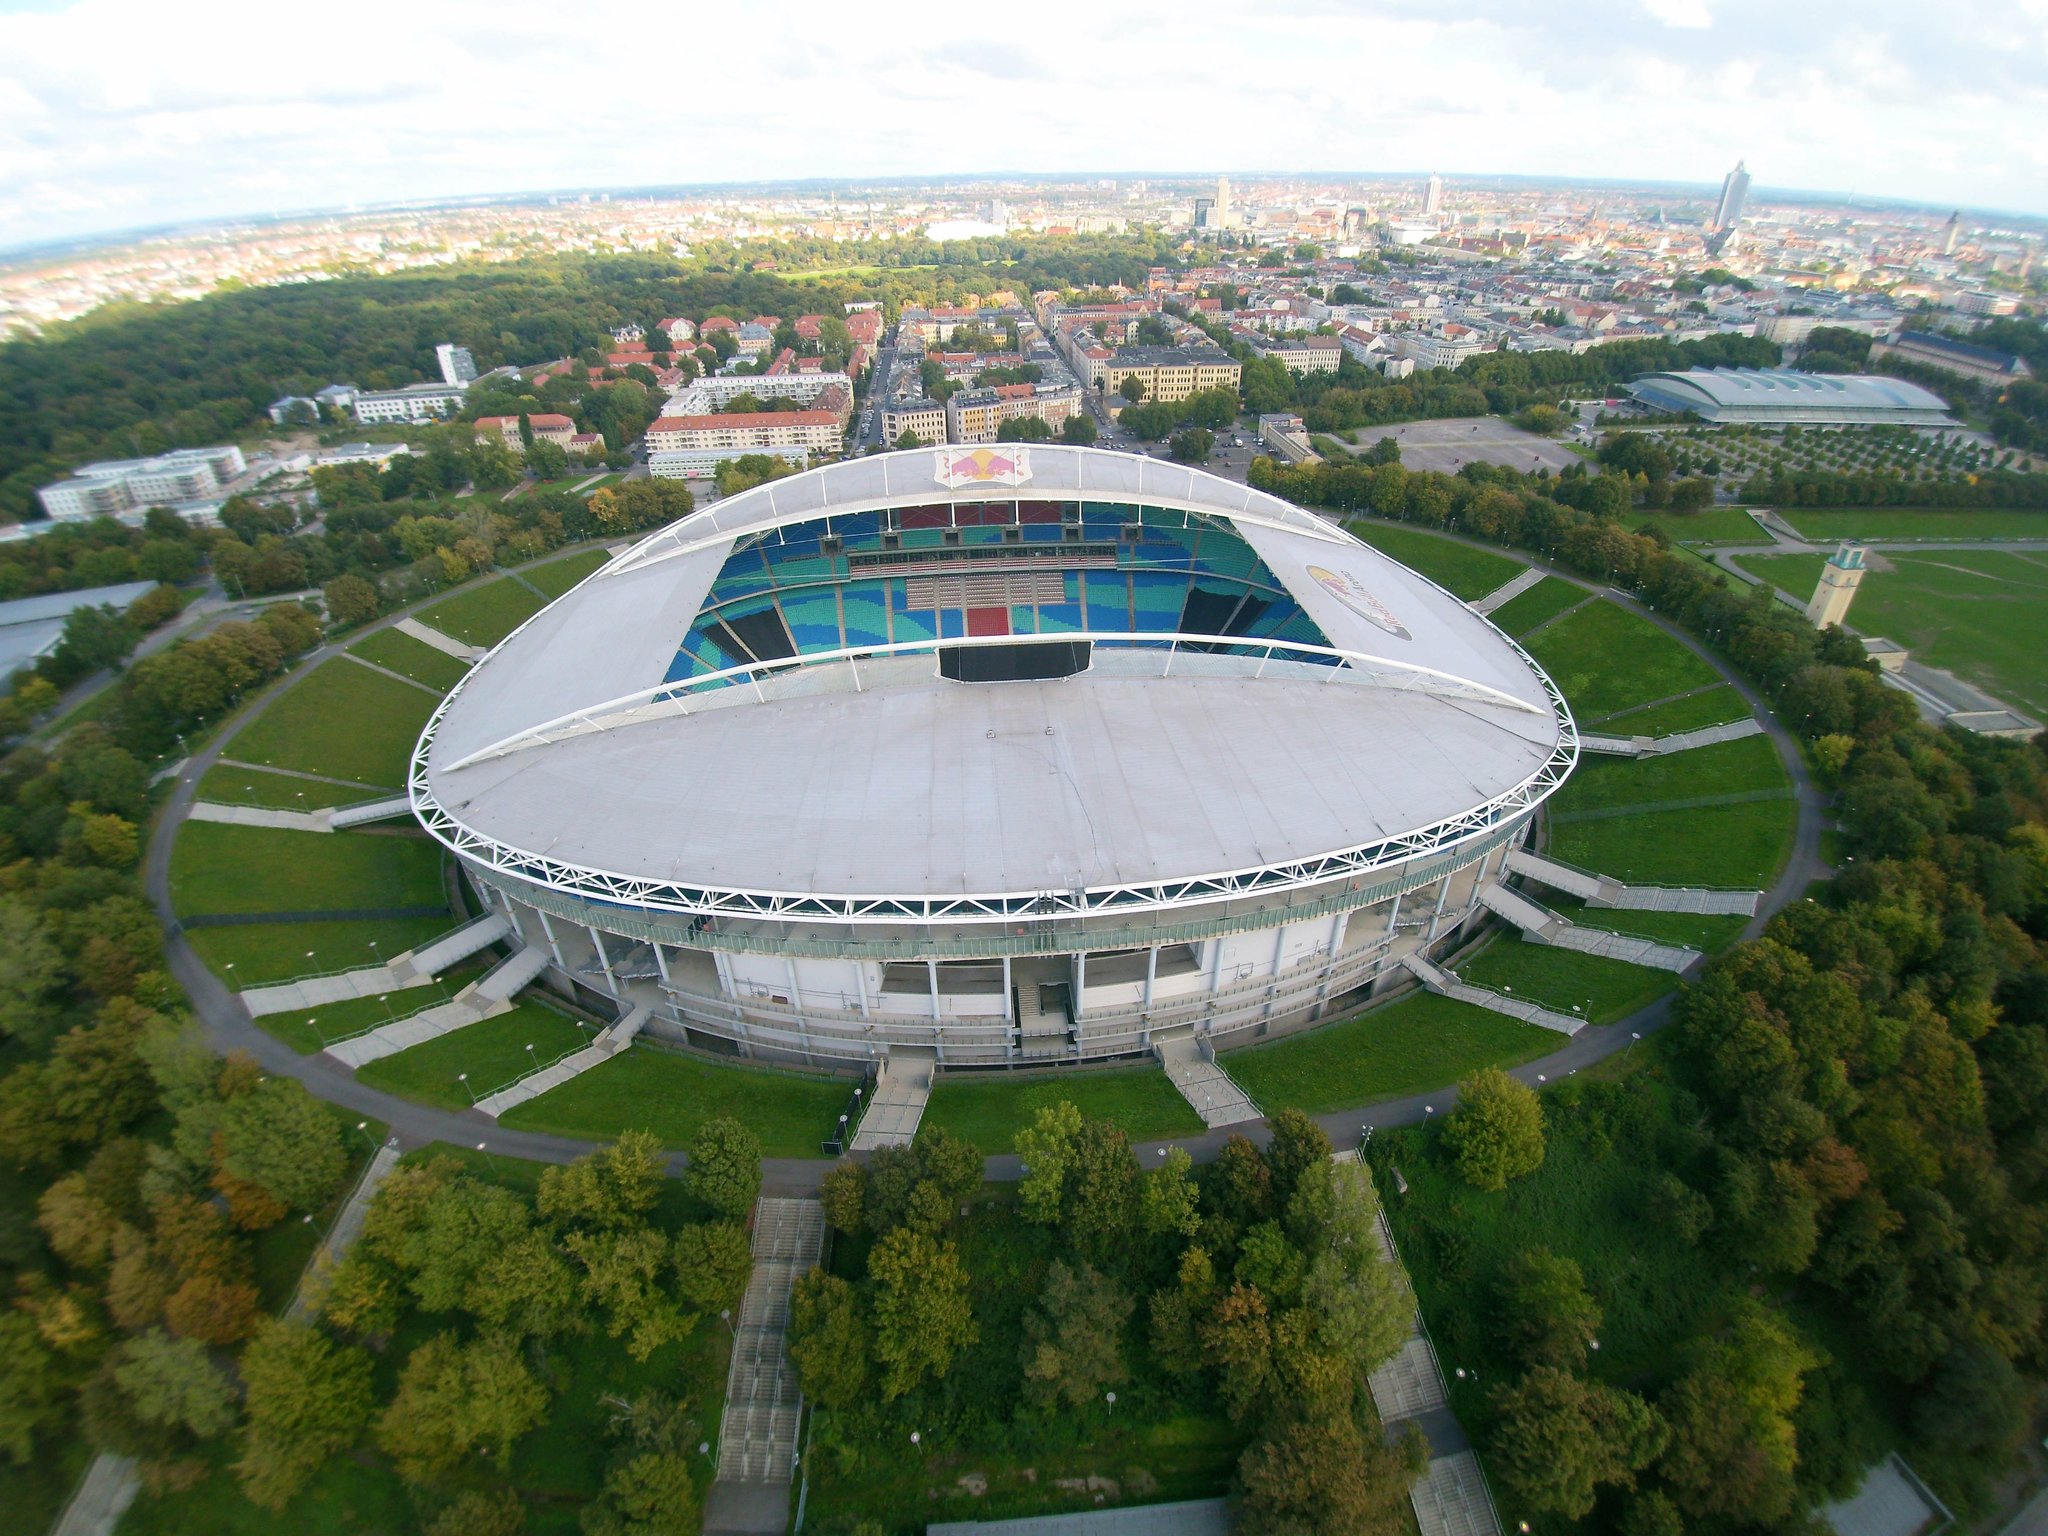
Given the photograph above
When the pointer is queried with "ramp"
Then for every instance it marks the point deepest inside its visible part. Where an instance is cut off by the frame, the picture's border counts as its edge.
(447, 644)
(1706, 736)
(897, 1104)
(1540, 923)
(601, 1050)
(1507, 590)
(1444, 984)
(465, 1008)
(757, 1432)
(1602, 891)
(341, 987)
(260, 816)
(1616, 746)
(1561, 877)
(510, 976)
(436, 955)
(1210, 1091)
(1547, 927)
(370, 810)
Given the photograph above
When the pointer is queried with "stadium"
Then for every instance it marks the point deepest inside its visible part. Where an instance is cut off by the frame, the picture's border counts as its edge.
(1022, 756)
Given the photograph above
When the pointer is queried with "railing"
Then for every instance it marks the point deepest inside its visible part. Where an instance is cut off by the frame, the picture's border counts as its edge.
(382, 962)
(546, 1066)
(327, 1042)
(849, 1120)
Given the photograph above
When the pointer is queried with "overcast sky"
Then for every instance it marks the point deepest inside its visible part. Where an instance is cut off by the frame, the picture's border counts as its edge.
(120, 113)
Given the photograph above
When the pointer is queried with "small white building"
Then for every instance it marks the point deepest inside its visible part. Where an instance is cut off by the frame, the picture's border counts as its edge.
(415, 402)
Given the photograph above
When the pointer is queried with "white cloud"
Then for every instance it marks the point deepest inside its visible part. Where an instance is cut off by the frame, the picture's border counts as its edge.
(116, 113)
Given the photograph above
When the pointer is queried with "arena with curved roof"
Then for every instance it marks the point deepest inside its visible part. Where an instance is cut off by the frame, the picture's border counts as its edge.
(1028, 755)
(1785, 396)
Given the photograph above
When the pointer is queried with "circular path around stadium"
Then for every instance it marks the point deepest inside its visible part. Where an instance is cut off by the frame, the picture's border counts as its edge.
(230, 1027)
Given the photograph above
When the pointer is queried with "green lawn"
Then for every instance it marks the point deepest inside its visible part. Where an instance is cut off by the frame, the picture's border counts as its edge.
(1823, 525)
(671, 1094)
(225, 784)
(483, 615)
(989, 1110)
(1975, 612)
(1715, 706)
(221, 868)
(555, 577)
(416, 659)
(1711, 525)
(1705, 933)
(261, 953)
(310, 1031)
(1564, 980)
(1727, 767)
(493, 1053)
(1795, 573)
(1418, 1043)
(1606, 658)
(1458, 568)
(1737, 847)
(341, 720)
(1546, 600)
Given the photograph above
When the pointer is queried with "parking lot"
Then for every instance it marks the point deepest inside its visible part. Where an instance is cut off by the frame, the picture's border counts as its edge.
(1448, 446)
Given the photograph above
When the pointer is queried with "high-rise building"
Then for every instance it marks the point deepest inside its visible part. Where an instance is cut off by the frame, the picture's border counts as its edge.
(1432, 196)
(1205, 213)
(1839, 579)
(457, 366)
(1734, 188)
(1950, 233)
(1222, 211)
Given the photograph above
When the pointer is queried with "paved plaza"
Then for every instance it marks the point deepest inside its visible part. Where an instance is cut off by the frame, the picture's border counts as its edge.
(1448, 446)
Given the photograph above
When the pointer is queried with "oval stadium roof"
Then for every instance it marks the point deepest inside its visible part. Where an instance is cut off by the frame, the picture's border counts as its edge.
(1787, 395)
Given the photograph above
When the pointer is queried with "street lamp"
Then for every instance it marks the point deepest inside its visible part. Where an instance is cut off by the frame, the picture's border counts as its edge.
(489, 1161)
(364, 1127)
(725, 1317)
(463, 1078)
(916, 1438)
(531, 1056)
(1112, 1401)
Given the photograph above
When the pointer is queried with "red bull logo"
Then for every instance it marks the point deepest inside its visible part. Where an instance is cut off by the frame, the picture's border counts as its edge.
(982, 466)
(1355, 595)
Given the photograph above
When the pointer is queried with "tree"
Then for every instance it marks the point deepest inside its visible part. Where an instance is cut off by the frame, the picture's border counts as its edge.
(456, 1400)
(713, 1260)
(1073, 1338)
(1560, 1437)
(1024, 429)
(1100, 1203)
(34, 968)
(480, 1512)
(649, 1494)
(1298, 1145)
(174, 1385)
(307, 1401)
(1321, 1476)
(1046, 1148)
(1079, 430)
(32, 1397)
(612, 1188)
(1733, 1442)
(724, 1166)
(1496, 1133)
(829, 1340)
(844, 1196)
(1543, 1312)
(1132, 388)
(1192, 445)
(286, 1142)
(525, 1289)
(907, 439)
(922, 1318)
(349, 600)
(1169, 1204)
(456, 1239)
(624, 1272)
(1237, 1342)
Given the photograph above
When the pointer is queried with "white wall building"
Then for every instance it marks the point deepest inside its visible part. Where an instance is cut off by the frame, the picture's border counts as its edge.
(415, 402)
(113, 486)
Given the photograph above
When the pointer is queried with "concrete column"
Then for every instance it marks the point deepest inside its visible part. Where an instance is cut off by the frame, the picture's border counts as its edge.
(931, 971)
(796, 988)
(1393, 914)
(1215, 966)
(1436, 913)
(661, 963)
(723, 965)
(1151, 972)
(548, 929)
(604, 960)
(1080, 988)
(1279, 946)
(860, 980)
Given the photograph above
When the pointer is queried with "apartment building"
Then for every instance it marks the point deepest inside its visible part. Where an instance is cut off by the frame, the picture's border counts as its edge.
(415, 402)
(977, 415)
(547, 428)
(815, 432)
(112, 486)
(1169, 373)
(925, 419)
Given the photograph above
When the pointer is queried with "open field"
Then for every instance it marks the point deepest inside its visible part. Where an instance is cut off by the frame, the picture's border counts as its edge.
(221, 868)
(255, 954)
(671, 1094)
(1606, 658)
(493, 1053)
(1975, 612)
(1449, 445)
(483, 615)
(342, 720)
(1732, 847)
(1825, 524)
(1460, 569)
(225, 784)
(1420, 1042)
(1546, 600)
(1728, 767)
(990, 1109)
(555, 577)
(1709, 525)
(1714, 706)
(412, 658)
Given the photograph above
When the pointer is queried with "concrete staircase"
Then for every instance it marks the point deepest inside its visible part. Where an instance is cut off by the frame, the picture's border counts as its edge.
(1444, 984)
(446, 644)
(480, 1000)
(1508, 590)
(897, 1104)
(1211, 1092)
(1546, 927)
(607, 1045)
(1602, 891)
(757, 1435)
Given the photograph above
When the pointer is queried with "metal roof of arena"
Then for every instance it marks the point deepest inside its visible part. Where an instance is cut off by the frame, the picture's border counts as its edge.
(862, 786)
(1749, 389)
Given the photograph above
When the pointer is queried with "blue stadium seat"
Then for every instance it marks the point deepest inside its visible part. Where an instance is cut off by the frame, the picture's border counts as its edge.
(866, 611)
(915, 624)
(1109, 607)
(1157, 598)
(813, 619)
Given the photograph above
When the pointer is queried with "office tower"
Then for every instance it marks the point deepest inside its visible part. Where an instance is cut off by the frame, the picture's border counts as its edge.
(1733, 190)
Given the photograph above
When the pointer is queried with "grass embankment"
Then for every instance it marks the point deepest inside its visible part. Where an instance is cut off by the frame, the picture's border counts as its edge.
(341, 720)
(216, 868)
(256, 954)
(990, 1111)
(1541, 603)
(555, 577)
(483, 615)
(1824, 525)
(228, 784)
(1688, 712)
(1606, 659)
(492, 1053)
(415, 659)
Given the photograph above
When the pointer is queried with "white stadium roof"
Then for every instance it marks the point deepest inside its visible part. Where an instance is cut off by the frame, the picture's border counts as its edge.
(1785, 394)
(565, 757)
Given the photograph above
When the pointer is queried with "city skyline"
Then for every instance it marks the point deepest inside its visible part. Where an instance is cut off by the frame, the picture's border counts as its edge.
(121, 118)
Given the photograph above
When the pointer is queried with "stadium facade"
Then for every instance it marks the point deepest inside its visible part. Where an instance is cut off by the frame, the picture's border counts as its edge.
(1786, 397)
(1032, 755)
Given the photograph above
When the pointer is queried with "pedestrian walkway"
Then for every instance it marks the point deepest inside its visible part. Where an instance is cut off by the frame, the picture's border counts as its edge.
(1604, 891)
(1189, 1517)
(896, 1107)
(1543, 926)
(414, 968)
(1664, 746)
(480, 1000)
(370, 810)
(446, 644)
(110, 1486)
(1444, 984)
(1506, 591)
(757, 1442)
(1212, 1093)
(1451, 1498)
(608, 1044)
(261, 816)
(348, 1226)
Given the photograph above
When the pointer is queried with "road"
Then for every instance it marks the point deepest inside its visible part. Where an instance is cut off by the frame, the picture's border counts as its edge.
(230, 1027)
(880, 382)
